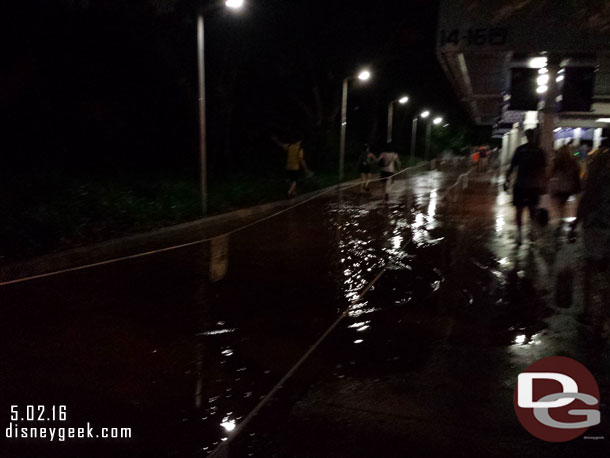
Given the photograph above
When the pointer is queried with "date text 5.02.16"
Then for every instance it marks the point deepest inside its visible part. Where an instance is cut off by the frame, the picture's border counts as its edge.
(38, 413)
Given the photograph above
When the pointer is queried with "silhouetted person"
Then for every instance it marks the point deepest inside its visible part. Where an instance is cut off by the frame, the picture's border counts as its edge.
(387, 161)
(365, 167)
(295, 163)
(565, 181)
(594, 214)
(530, 162)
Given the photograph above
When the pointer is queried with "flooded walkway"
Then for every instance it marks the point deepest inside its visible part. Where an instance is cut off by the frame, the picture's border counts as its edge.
(181, 348)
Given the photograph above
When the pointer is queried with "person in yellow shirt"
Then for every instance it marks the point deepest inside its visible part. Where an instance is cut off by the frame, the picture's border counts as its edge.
(295, 163)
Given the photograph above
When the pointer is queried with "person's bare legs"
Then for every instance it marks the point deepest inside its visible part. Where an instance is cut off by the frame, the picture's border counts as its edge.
(519, 218)
(560, 205)
(292, 189)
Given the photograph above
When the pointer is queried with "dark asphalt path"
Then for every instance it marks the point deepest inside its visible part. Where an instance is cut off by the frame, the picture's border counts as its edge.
(154, 345)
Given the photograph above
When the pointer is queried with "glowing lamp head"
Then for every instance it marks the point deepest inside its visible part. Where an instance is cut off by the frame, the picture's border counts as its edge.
(364, 75)
(542, 89)
(538, 62)
(425, 114)
(543, 80)
(437, 121)
(234, 4)
(403, 100)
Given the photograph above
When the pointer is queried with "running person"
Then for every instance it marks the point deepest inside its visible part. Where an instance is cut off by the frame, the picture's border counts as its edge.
(365, 167)
(386, 161)
(295, 163)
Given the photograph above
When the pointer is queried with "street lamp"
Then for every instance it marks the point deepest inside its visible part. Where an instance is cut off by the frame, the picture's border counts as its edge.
(424, 114)
(364, 75)
(436, 121)
(402, 100)
(234, 5)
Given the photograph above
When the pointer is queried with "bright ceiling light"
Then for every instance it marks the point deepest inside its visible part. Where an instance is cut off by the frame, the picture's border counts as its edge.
(234, 4)
(425, 114)
(603, 120)
(403, 100)
(542, 89)
(437, 121)
(364, 75)
(543, 71)
(557, 129)
(537, 62)
(560, 78)
(543, 80)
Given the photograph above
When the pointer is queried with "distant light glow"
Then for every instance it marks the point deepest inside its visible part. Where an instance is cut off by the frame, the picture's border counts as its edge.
(425, 114)
(403, 100)
(437, 121)
(560, 78)
(558, 129)
(234, 4)
(446, 125)
(228, 425)
(543, 80)
(543, 71)
(542, 89)
(603, 120)
(520, 340)
(538, 62)
(364, 75)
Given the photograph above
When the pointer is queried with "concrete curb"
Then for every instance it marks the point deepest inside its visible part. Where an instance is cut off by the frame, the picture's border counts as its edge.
(152, 240)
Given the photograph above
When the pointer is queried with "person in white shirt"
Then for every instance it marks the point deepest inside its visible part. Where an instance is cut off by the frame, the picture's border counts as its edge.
(388, 162)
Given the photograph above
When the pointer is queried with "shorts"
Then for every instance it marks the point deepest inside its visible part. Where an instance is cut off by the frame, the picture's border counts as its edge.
(561, 197)
(293, 175)
(386, 175)
(526, 197)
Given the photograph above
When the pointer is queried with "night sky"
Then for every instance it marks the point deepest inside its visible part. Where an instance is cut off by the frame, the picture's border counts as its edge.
(97, 85)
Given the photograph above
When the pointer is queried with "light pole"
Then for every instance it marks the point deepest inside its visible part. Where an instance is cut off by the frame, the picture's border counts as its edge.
(423, 115)
(235, 5)
(403, 100)
(436, 121)
(364, 75)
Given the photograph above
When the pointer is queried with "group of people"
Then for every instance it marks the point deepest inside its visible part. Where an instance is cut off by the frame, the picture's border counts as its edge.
(593, 212)
(562, 181)
(388, 163)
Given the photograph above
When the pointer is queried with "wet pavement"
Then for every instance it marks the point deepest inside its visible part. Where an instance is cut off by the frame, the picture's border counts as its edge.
(424, 362)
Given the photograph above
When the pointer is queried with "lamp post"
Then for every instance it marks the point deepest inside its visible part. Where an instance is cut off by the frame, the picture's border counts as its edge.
(425, 114)
(436, 121)
(403, 100)
(364, 75)
(231, 4)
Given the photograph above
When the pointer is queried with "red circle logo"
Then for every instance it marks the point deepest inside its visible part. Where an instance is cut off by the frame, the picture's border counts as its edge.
(557, 399)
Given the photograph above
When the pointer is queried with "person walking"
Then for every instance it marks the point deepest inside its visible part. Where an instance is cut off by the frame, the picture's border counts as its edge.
(564, 182)
(530, 162)
(594, 215)
(365, 167)
(387, 162)
(295, 163)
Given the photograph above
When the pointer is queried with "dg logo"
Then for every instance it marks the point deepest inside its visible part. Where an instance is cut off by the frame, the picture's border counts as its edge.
(557, 399)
